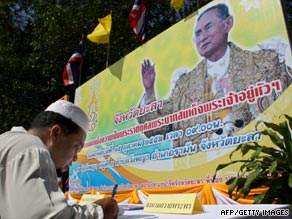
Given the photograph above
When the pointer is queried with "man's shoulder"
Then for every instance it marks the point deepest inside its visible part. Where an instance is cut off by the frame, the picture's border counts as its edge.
(13, 143)
(197, 71)
(191, 77)
(260, 54)
(14, 136)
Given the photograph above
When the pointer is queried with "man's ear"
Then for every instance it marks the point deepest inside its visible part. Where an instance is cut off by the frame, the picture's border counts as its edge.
(228, 23)
(55, 132)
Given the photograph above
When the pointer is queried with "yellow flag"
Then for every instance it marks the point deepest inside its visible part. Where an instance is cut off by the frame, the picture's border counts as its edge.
(101, 33)
(177, 4)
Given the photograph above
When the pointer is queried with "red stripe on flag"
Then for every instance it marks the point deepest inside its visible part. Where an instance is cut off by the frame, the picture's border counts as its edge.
(137, 19)
(71, 73)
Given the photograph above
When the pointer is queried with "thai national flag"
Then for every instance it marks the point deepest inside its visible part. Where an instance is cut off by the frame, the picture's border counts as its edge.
(72, 70)
(137, 20)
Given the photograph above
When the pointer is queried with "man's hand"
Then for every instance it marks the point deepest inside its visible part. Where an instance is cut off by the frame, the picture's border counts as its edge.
(148, 74)
(110, 207)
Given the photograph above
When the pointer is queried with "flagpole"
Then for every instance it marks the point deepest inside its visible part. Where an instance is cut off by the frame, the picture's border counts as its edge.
(107, 56)
(108, 48)
(81, 63)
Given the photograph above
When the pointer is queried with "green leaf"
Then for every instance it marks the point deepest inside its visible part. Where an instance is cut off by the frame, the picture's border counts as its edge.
(251, 177)
(256, 153)
(289, 120)
(240, 183)
(233, 183)
(286, 133)
(273, 166)
(236, 149)
(284, 140)
(275, 138)
(290, 180)
(260, 181)
(245, 148)
(222, 166)
(259, 198)
(271, 151)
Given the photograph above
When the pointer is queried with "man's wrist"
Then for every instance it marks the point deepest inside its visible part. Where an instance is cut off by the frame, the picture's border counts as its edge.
(148, 94)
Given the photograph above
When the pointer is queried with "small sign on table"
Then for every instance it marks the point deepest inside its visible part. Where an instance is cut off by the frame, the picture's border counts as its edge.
(186, 203)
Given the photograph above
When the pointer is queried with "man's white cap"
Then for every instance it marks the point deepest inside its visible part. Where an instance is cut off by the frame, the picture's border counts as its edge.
(70, 111)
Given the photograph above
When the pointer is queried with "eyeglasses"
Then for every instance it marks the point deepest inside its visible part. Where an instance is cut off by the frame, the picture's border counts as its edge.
(207, 29)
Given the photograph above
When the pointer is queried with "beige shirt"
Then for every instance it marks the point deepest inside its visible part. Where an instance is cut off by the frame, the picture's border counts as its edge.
(28, 185)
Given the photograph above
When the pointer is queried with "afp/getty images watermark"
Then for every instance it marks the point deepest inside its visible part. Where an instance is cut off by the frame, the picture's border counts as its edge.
(255, 212)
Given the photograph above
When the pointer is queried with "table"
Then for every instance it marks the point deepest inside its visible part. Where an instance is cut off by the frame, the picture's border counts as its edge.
(257, 211)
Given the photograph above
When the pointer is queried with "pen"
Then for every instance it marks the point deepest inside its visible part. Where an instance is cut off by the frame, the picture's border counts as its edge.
(114, 190)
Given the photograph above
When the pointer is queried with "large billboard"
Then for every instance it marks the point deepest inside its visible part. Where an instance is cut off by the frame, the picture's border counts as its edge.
(169, 112)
